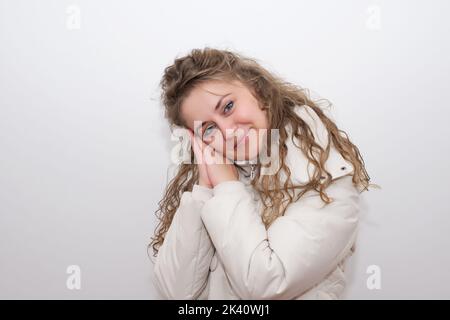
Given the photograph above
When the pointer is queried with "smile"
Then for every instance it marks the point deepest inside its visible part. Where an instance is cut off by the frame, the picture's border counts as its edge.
(245, 137)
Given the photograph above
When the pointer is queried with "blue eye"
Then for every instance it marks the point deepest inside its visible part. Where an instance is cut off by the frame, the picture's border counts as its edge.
(206, 130)
(230, 103)
(227, 107)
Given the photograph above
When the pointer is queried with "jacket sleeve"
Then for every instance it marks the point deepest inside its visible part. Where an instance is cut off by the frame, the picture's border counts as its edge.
(181, 266)
(296, 252)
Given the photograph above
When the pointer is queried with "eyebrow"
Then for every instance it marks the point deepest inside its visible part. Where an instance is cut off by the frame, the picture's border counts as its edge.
(215, 108)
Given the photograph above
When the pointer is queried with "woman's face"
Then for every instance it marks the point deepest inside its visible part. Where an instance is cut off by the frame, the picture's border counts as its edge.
(227, 117)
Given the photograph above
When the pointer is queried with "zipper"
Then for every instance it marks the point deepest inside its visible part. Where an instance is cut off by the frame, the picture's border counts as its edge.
(252, 172)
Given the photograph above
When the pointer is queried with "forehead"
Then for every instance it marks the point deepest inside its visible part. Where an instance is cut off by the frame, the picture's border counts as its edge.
(211, 91)
(199, 104)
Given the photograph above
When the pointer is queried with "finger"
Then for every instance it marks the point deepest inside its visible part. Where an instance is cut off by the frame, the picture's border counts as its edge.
(203, 147)
(195, 148)
(205, 150)
(198, 152)
(221, 158)
(209, 154)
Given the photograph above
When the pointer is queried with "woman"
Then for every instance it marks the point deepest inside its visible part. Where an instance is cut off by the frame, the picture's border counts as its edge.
(233, 225)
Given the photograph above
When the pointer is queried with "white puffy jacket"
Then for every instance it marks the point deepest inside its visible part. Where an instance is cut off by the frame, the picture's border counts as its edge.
(218, 248)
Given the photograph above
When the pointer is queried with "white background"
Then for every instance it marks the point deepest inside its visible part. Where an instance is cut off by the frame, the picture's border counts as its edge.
(84, 146)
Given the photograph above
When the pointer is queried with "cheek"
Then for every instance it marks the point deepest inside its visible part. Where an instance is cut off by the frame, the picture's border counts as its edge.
(256, 114)
(245, 115)
(264, 120)
(259, 118)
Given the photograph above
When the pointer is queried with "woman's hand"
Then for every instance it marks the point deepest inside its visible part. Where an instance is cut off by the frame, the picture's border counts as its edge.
(218, 167)
(203, 179)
